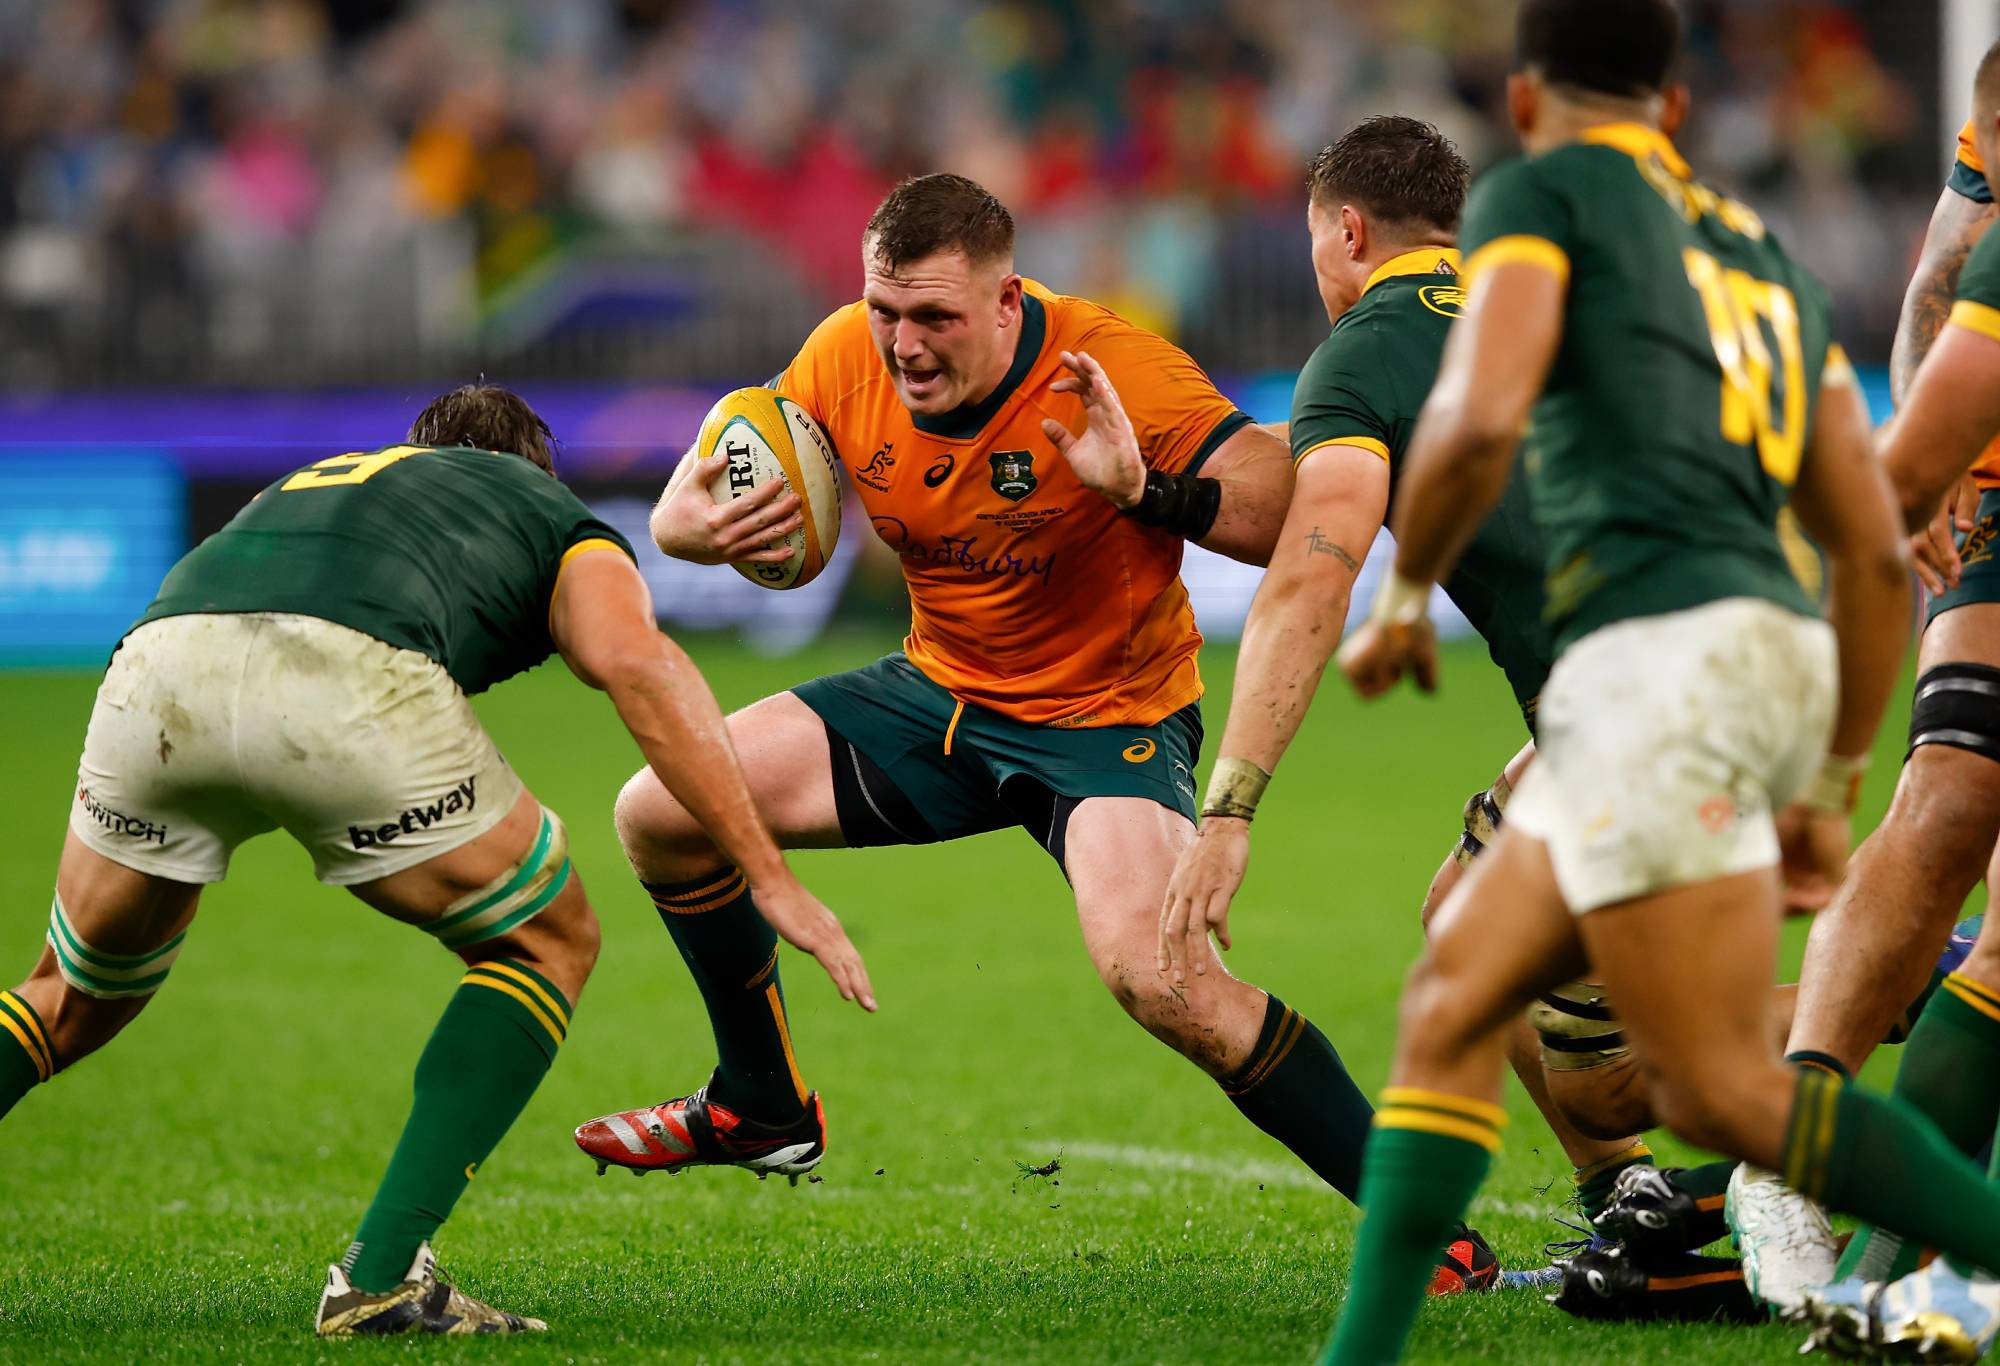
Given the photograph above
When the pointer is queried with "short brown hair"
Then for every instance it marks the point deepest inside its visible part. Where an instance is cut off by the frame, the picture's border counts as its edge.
(1400, 170)
(932, 213)
(487, 417)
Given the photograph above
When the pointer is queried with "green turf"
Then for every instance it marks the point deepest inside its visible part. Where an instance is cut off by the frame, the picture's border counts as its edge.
(179, 1197)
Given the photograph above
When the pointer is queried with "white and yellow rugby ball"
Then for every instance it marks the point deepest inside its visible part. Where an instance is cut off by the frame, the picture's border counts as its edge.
(767, 436)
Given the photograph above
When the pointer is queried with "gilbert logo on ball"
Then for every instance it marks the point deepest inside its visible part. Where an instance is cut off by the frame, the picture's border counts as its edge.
(766, 436)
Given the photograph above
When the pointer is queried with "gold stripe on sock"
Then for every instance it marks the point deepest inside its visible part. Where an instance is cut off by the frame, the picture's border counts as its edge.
(555, 1004)
(695, 891)
(20, 1034)
(729, 893)
(763, 973)
(1431, 1122)
(785, 1038)
(1290, 1025)
(1707, 1203)
(1973, 995)
(1485, 1111)
(1974, 985)
(1658, 1283)
(38, 1040)
(1625, 1157)
(1815, 1065)
(506, 988)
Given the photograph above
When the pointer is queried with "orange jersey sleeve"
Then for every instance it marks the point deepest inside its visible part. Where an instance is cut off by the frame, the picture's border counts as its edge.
(1179, 415)
(1968, 151)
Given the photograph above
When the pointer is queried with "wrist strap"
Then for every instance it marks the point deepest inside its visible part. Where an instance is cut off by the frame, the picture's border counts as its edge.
(1184, 504)
(1234, 789)
(1837, 785)
(1400, 601)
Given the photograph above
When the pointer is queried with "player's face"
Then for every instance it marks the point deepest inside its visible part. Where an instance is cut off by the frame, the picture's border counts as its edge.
(1986, 136)
(945, 327)
(1331, 266)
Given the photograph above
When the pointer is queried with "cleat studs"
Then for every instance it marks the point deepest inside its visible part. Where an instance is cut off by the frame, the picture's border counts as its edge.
(793, 1177)
(637, 1171)
(602, 1166)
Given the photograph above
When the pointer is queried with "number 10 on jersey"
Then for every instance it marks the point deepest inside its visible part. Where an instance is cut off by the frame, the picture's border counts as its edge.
(1738, 305)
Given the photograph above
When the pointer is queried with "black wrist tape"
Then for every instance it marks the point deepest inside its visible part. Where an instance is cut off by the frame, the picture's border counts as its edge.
(1184, 504)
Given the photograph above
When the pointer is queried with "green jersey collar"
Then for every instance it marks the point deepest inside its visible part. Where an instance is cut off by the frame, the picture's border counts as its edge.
(969, 420)
(1422, 261)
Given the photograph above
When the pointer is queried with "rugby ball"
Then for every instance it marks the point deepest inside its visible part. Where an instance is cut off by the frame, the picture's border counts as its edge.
(766, 436)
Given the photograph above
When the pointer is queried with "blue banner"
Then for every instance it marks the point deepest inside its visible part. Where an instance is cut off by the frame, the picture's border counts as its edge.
(86, 535)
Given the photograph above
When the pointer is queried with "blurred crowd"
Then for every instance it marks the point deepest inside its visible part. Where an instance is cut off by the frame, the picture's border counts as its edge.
(314, 189)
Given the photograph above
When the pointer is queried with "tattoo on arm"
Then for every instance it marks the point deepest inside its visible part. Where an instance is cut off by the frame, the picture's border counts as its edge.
(1927, 305)
(1318, 544)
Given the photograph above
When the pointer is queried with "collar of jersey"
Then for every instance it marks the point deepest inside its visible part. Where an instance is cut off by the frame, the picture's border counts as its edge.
(1422, 261)
(1638, 141)
(970, 419)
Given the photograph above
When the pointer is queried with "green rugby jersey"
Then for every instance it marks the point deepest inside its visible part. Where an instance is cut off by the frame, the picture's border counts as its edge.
(1679, 405)
(447, 551)
(1978, 306)
(1364, 387)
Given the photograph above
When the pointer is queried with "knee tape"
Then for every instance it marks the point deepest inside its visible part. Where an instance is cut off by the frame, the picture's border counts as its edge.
(1577, 1029)
(1482, 821)
(107, 976)
(1958, 705)
(515, 897)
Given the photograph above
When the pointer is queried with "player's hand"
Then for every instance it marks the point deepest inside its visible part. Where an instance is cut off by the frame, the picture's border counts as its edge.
(1812, 854)
(803, 922)
(1935, 548)
(1204, 881)
(1381, 652)
(1106, 457)
(690, 525)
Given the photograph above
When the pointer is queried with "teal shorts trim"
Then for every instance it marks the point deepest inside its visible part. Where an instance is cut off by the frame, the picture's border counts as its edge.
(1981, 580)
(951, 761)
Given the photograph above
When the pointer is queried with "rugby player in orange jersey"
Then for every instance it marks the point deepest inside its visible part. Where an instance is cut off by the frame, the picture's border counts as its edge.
(1037, 463)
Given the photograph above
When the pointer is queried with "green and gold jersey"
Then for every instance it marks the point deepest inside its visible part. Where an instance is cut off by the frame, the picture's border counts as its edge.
(1681, 399)
(449, 552)
(1978, 306)
(1364, 387)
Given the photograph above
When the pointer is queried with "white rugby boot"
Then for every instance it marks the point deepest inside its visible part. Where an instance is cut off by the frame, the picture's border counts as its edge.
(1786, 1245)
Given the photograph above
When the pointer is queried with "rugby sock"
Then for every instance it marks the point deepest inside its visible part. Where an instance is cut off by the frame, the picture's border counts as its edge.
(1821, 1062)
(1594, 1183)
(732, 951)
(498, 1035)
(1295, 1089)
(25, 1056)
(1874, 1157)
(1426, 1158)
(1950, 1073)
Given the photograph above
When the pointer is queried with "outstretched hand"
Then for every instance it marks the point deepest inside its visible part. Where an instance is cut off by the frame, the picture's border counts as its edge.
(1381, 652)
(1106, 456)
(1204, 881)
(802, 921)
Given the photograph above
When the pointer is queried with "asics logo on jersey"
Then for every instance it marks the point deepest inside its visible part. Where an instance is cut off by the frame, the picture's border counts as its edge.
(940, 470)
(463, 797)
(1139, 751)
(962, 553)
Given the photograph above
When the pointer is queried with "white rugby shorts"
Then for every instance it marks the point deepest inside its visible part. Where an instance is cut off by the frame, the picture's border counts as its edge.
(209, 729)
(1666, 743)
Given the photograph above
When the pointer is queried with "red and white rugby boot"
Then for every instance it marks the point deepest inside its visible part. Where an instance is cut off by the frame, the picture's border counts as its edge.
(693, 1131)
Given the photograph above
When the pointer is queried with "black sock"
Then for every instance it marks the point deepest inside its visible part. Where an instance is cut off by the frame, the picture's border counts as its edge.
(732, 951)
(1294, 1088)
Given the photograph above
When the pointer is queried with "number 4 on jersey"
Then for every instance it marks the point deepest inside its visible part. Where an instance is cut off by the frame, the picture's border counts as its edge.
(1738, 305)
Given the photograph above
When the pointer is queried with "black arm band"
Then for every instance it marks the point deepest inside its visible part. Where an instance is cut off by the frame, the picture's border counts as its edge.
(1184, 504)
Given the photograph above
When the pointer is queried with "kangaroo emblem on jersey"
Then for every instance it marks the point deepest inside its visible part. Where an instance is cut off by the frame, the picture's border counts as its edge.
(1013, 474)
(875, 474)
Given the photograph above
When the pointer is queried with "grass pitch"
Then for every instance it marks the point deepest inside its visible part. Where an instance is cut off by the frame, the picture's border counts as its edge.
(178, 1197)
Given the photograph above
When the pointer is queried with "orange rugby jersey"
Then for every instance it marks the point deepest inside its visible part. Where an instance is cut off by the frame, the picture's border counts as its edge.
(1986, 469)
(1029, 594)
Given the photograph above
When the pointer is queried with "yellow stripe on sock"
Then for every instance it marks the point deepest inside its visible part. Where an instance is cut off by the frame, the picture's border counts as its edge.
(729, 893)
(1484, 1111)
(785, 1038)
(555, 1004)
(506, 988)
(26, 1014)
(1290, 1025)
(35, 1055)
(696, 891)
(1431, 1122)
(763, 973)
(1971, 998)
(1618, 1159)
